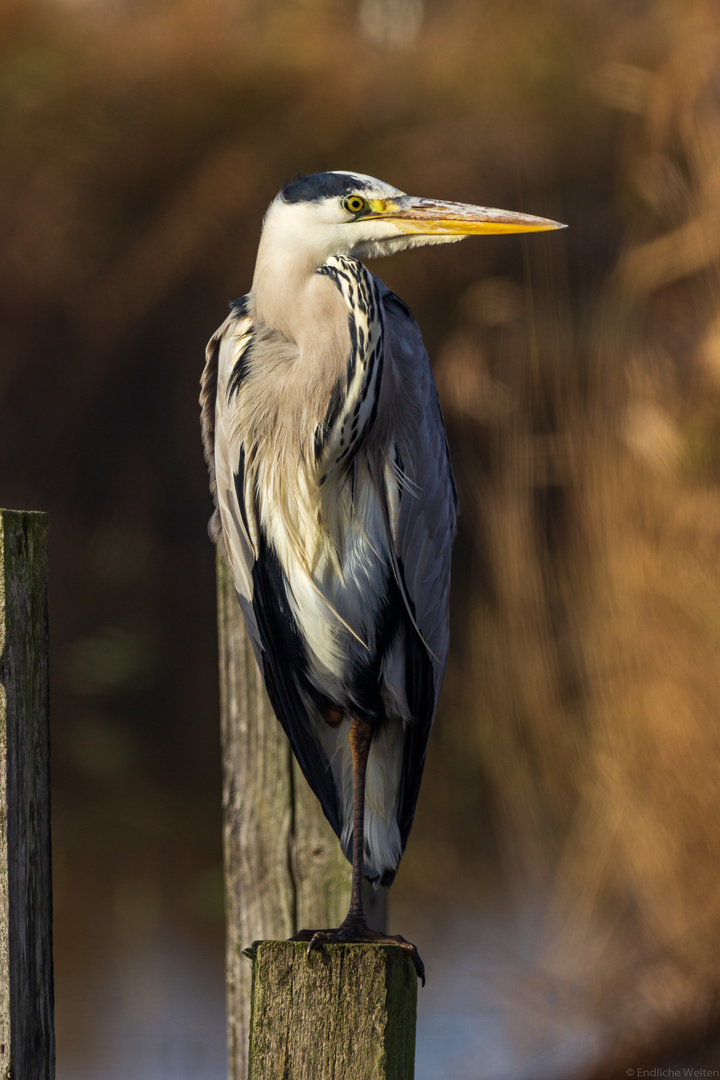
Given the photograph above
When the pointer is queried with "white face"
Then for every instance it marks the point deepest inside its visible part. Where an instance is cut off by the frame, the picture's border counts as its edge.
(334, 225)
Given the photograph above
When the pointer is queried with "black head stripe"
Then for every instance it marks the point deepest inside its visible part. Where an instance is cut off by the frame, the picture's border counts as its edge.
(323, 185)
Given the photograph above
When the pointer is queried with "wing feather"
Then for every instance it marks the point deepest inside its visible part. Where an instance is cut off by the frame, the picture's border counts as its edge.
(421, 506)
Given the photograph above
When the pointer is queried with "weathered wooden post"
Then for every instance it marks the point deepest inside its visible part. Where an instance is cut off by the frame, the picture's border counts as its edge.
(27, 1038)
(348, 1011)
(283, 866)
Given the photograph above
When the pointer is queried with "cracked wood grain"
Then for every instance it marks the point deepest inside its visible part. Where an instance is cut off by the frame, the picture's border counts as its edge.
(27, 1040)
(348, 1012)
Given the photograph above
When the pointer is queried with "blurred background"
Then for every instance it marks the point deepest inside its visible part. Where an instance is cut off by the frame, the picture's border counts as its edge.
(563, 877)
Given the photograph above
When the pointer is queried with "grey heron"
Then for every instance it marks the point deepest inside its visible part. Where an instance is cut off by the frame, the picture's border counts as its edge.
(335, 502)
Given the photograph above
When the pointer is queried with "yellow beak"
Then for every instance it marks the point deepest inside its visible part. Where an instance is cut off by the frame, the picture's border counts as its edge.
(430, 216)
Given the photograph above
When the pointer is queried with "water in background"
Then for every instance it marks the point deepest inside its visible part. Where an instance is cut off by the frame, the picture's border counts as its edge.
(488, 1011)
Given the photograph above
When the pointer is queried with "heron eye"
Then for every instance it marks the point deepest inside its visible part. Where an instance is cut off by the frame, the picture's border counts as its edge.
(354, 204)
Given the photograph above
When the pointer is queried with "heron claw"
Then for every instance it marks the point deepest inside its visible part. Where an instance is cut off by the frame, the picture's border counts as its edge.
(308, 935)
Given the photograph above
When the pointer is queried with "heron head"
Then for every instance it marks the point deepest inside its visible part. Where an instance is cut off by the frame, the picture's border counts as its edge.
(347, 213)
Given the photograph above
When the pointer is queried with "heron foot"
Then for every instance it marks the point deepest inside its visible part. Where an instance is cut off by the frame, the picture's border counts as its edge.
(357, 932)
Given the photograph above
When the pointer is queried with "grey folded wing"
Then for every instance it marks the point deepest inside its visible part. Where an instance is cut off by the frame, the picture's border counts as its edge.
(421, 504)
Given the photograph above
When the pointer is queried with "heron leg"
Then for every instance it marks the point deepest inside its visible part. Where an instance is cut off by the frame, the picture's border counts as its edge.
(360, 738)
(354, 927)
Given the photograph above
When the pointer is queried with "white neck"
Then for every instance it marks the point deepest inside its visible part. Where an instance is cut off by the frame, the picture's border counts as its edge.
(301, 306)
(288, 295)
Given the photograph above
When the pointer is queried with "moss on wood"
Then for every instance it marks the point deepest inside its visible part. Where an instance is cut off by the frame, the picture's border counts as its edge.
(345, 1013)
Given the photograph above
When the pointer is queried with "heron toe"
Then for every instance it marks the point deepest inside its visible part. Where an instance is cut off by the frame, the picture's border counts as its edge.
(355, 933)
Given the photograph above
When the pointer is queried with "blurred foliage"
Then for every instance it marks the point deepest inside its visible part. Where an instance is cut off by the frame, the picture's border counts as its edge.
(577, 751)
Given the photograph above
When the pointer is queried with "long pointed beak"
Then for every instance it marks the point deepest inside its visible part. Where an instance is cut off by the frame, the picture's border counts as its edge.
(430, 216)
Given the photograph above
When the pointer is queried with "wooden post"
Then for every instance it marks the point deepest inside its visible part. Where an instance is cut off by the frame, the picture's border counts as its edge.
(27, 1038)
(346, 1011)
(283, 866)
